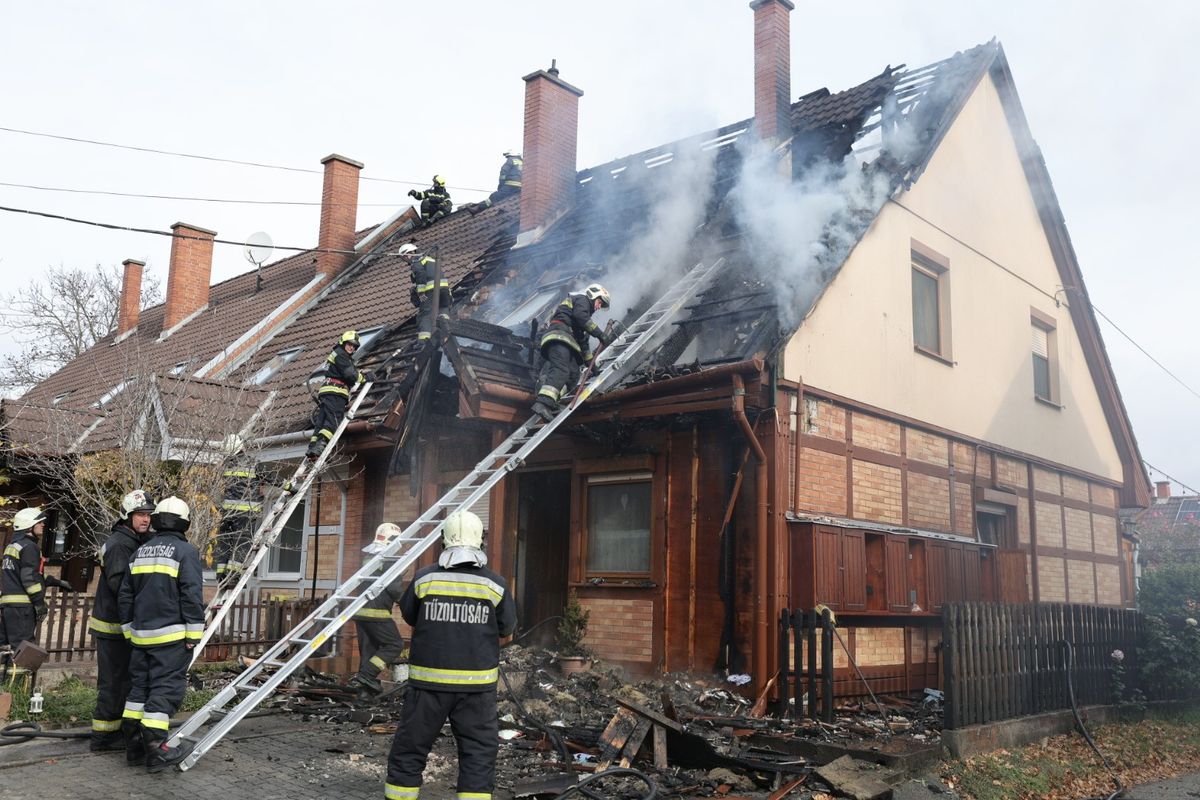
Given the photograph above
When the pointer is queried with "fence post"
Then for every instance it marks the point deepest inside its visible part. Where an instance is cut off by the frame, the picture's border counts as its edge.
(949, 679)
(827, 665)
(812, 664)
(785, 630)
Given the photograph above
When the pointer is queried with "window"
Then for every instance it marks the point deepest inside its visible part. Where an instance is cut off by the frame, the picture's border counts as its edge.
(526, 310)
(58, 398)
(112, 393)
(368, 336)
(278, 362)
(180, 367)
(286, 553)
(930, 303)
(993, 526)
(1044, 347)
(618, 523)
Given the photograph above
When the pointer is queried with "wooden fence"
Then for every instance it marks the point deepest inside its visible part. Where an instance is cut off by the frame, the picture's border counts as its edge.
(250, 626)
(1011, 660)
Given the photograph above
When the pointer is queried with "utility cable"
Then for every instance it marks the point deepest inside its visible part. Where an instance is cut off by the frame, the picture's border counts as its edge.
(285, 168)
(107, 193)
(1143, 350)
(1169, 477)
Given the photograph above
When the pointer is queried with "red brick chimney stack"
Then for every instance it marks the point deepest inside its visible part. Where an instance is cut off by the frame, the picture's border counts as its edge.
(339, 213)
(189, 273)
(772, 68)
(1162, 489)
(551, 135)
(131, 296)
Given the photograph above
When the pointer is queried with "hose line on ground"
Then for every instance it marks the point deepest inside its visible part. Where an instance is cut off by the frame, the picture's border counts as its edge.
(580, 788)
(1069, 658)
(553, 735)
(19, 732)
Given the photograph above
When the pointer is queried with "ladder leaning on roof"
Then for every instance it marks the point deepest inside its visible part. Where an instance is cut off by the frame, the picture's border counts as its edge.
(271, 526)
(260, 680)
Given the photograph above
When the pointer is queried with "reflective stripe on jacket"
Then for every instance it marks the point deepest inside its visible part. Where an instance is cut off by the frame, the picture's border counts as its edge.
(115, 555)
(21, 573)
(161, 601)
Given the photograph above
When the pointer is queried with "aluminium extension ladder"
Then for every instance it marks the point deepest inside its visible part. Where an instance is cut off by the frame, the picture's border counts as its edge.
(269, 529)
(260, 680)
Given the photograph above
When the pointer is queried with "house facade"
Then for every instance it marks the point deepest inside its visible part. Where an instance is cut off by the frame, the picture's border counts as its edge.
(912, 407)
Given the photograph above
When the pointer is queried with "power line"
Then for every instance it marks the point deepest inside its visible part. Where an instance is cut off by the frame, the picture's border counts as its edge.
(283, 167)
(1146, 353)
(183, 197)
(168, 234)
(1168, 477)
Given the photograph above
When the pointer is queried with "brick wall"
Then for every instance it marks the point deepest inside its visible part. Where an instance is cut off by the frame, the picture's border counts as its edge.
(551, 133)
(964, 509)
(331, 504)
(131, 295)
(1049, 524)
(1078, 529)
(877, 493)
(878, 646)
(339, 213)
(1052, 580)
(929, 502)
(327, 562)
(927, 447)
(1105, 535)
(1081, 581)
(825, 419)
(1108, 584)
(620, 629)
(877, 434)
(1075, 488)
(1045, 480)
(1011, 472)
(1023, 536)
(189, 272)
(822, 482)
(1104, 495)
(772, 67)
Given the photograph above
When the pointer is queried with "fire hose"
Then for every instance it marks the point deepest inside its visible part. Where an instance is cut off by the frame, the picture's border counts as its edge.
(883, 715)
(1069, 658)
(580, 788)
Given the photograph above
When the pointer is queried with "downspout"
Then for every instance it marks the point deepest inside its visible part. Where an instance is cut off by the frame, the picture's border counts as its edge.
(761, 623)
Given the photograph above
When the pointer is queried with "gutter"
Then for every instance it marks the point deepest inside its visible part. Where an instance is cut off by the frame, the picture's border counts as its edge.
(761, 623)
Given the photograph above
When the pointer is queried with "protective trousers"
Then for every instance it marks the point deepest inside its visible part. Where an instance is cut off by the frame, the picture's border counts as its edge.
(159, 679)
(559, 373)
(112, 686)
(425, 323)
(233, 539)
(473, 721)
(331, 407)
(17, 624)
(379, 645)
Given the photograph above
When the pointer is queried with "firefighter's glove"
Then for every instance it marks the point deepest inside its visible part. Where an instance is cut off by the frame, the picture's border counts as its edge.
(288, 487)
(607, 338)
(616, 327)
(413, 193)
(40, 610)
(61, 584)
(371, 376)
(587, 358)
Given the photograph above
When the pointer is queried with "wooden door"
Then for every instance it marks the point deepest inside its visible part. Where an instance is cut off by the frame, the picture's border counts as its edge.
(1012, 584)
(898, 580)
(935, 574)
(827, 574)
(854, 571)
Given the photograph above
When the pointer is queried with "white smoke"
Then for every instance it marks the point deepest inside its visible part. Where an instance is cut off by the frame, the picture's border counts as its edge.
(792, 229)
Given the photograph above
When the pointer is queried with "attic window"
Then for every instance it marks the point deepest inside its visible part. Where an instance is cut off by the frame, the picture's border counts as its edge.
(58, 398)
(181, 366)
(112, 393)
(278, 362)
(525, 311)
(366, 337)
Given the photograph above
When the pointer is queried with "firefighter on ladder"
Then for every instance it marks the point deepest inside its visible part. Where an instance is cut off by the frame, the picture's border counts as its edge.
(109, 730)
(565, 346)
(340, 378)
(379, 641)
(241, 507)
(435, 201)
(162, 614)
(426, 282)
(459, 611)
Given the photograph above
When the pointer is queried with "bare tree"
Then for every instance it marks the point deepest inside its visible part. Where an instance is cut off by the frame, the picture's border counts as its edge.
(57, 317)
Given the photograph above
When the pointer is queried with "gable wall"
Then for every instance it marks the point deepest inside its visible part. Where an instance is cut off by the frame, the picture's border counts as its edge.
(973, 207)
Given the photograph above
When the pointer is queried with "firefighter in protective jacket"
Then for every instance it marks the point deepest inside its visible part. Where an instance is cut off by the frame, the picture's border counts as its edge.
(113, 651)
(22, 589)
(379, 641)
(459, 610)
(241, 507)
(426, 283)
(162, 615)
(565, 346)
(435, 201)
(341, 378)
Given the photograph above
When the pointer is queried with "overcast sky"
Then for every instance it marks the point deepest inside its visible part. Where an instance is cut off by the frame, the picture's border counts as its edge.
(416, 88)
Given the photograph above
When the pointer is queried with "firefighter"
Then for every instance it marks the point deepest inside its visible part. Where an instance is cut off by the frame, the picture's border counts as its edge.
(241, 507)
(22, 593)
(341, 377)
(162, 614)
(508, 184)
(379, 641)
(112, 650)
(459, 611)
(425, 282)
(565, 346)
(435, 201)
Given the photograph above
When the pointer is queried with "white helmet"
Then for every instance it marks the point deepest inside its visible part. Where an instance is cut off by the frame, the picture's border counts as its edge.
(384, 535)
(171, 514)
(135, 501)
(512, 152)
(26, 518)
(232, 445)
(463, 529)
(408, 248)
(595, 291)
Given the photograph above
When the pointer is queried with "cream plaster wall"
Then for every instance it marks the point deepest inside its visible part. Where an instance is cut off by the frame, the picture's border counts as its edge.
(973, 206)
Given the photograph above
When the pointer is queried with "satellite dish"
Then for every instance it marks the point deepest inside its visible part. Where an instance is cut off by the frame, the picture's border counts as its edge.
(258, 248)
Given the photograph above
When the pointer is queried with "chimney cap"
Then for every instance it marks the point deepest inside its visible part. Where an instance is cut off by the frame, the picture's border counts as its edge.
(343, 159)
(192, 227)
(139, 262)
(552, 76)
(788, 4)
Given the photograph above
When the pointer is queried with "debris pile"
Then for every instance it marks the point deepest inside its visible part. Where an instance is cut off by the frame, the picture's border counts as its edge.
(692, 736)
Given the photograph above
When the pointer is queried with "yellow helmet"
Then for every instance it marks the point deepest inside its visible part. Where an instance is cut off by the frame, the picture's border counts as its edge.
(351, 337)
(439, 181)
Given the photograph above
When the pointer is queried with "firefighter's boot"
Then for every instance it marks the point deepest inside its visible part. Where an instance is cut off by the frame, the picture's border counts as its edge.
(159, 755)
(372, 685)
(543, 410)
(135, 748)
(109, 741)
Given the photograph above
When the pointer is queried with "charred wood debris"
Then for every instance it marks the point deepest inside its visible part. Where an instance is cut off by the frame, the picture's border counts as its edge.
(691, 736)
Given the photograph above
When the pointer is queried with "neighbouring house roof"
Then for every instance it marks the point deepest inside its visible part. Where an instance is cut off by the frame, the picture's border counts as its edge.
(1169, 529)
(499, 288)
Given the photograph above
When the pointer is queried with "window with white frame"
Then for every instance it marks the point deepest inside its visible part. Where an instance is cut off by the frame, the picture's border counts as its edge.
(930, 302)
(1044, 348)
(58, 398)
(278, 362)
(618, 524)
(112, 393)
(287, 552)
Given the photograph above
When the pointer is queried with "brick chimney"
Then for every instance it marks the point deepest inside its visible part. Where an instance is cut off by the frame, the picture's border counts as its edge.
(188, 275)
(339, 213)
(131, 296)
(772, 68)
(1162, 489)
(551, 134)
